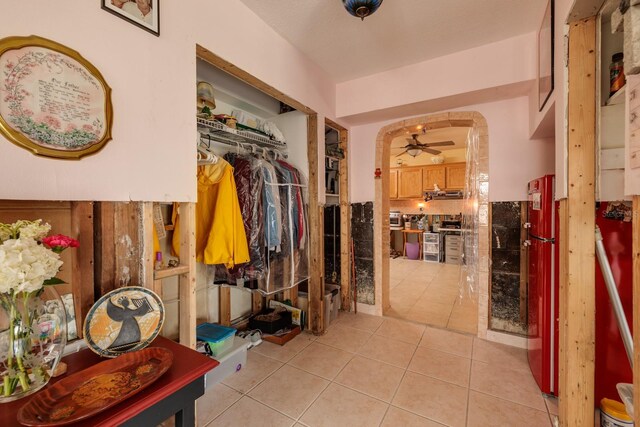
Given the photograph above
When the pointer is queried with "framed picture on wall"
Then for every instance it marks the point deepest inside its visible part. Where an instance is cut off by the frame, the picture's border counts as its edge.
(53, 101)
(143, 13)
(545, 56)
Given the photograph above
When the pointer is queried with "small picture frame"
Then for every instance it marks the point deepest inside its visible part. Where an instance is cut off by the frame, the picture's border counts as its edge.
(546, 56)
(142, 13)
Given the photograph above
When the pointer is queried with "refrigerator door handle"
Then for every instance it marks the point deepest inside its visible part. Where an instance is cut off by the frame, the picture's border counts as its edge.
(542, 239)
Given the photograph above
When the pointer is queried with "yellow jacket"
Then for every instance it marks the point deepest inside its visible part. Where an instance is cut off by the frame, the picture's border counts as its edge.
(220, 236)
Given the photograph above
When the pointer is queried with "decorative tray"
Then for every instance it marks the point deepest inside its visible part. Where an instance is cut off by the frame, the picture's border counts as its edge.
(95, 389)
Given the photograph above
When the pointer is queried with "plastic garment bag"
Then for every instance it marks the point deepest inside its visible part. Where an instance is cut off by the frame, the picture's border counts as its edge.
(470, 219)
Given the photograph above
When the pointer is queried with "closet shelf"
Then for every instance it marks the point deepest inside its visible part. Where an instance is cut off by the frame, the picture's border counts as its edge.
(170, 272)
(221, 133)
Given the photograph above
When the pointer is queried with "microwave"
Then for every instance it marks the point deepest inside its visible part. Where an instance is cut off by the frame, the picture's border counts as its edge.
(395, 220)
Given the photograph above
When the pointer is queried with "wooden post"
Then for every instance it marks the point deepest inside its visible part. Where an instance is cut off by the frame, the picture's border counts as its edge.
(148, 256)
(577, 301)
(316, 312)
(636, 309)
(345, 224)
(187, 212)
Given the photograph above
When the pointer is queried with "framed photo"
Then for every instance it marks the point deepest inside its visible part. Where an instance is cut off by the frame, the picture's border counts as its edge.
(545, 56)
(143, 13)
(53, 101)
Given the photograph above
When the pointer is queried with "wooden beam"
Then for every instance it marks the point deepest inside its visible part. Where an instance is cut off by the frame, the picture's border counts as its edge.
(524, 264)
(577, 320)
(83, 291)
(583, 9)
(563, 279)
(188, 307)
(224, 305)
(636, 310)
(213, 59)
(148, 256)
(316, 312)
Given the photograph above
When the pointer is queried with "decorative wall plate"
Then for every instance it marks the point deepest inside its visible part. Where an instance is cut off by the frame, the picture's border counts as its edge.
(95, 389)
(52, 100)
(124, 320)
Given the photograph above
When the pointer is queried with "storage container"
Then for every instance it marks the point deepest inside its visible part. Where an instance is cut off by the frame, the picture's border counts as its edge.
(230, 361)
(271, 327)
(332, 303)
(412, 250)
(217, 337)
(613, 414)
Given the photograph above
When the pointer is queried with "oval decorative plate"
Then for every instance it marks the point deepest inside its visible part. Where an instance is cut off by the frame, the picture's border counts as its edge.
(124, 320)
(95, 389)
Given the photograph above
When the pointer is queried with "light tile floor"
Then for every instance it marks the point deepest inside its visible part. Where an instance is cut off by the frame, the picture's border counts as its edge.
(374, 371)
(429, 293)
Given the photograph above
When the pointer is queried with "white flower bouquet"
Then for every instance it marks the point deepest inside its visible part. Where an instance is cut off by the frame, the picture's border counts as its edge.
(29, 260)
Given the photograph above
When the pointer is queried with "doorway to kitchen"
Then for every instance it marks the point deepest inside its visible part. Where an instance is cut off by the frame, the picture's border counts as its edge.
(426, 276)
(427, 181)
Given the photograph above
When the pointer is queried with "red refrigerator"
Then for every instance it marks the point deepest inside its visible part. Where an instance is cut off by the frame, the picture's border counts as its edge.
(612, 366)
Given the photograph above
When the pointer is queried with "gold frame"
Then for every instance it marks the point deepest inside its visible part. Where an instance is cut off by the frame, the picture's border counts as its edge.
(18, 138)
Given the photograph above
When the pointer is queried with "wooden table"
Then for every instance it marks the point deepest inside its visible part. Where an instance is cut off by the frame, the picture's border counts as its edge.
(174, 393)
(404, 241)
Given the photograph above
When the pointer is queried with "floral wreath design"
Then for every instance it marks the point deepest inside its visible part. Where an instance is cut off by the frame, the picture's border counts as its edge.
(48, 131)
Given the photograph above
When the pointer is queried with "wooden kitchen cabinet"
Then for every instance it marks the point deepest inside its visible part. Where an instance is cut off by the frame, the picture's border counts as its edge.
(433, 175)
(393, 184)
(455, 176)
(410, 183)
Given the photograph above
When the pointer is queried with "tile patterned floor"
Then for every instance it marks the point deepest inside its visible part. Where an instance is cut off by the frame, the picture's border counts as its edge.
(373, 371)
(429, 293)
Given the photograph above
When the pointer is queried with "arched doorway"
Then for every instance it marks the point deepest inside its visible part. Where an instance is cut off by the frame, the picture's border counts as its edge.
(381, 204)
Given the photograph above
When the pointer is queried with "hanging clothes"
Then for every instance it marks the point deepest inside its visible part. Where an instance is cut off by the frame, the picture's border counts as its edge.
(220, 231)
(272, 206)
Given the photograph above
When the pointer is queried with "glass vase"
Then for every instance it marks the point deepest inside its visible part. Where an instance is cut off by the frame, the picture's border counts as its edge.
(33, 333)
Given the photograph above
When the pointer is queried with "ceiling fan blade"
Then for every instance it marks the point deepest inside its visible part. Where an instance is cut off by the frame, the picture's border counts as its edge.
(440, 144)
(431, 151)
(398, 155)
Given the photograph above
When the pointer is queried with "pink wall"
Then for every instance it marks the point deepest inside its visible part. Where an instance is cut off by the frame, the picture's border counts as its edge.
(514, 159)
(491, 66)
(152, 154)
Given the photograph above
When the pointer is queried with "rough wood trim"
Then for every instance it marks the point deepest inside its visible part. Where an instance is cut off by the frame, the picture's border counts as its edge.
(563, 279)
(316, 257)
(636, 311)
(83, 292)
(148, 257)
(188, 308)
(577, 326)
(215, 60)
(224, 305)
(256, 302)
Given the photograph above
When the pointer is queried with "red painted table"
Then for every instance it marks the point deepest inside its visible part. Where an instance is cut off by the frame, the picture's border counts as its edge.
(174, 393)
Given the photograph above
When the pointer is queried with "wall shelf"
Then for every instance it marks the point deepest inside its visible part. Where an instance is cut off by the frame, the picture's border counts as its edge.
(222, 133)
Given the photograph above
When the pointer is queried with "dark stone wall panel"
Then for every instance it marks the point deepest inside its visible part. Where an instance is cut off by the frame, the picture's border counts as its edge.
(505, 268)
(362, 234)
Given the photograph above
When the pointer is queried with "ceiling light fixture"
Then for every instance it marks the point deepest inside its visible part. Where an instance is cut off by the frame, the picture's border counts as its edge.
(361, 8)
(414, 152)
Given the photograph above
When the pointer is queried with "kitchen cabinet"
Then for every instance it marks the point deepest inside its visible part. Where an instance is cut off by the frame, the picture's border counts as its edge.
(410, 183)
(393, 184)
(455, 176)
(433, 175)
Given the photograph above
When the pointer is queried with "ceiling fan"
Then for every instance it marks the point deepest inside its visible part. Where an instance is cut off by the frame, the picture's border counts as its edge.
(415, 148)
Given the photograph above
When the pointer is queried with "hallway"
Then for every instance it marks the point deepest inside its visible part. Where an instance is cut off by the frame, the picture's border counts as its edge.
(428, 293)
(424, 376)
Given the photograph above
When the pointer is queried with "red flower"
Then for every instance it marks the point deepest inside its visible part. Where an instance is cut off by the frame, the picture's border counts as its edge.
(60, 242)
(9, 65)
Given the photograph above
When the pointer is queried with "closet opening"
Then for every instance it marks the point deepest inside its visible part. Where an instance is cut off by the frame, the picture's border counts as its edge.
(250, 127)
